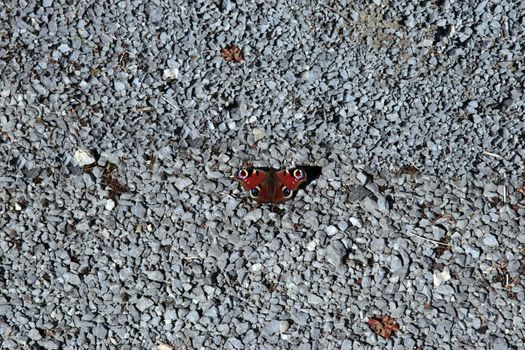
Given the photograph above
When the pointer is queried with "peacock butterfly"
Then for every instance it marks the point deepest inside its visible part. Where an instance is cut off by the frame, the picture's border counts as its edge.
(267, 185)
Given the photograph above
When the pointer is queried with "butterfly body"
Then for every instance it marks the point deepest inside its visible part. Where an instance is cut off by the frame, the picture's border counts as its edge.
(267, 185)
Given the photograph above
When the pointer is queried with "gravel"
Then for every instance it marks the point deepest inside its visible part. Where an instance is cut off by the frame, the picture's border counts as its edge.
(121, 124)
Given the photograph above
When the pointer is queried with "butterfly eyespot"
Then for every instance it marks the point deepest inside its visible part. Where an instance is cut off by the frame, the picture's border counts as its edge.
(299, 174)
(287, 192)
(254, 192)
(242, 174)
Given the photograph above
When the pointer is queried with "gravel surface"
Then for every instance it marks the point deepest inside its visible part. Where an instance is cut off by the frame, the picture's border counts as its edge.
(121, 124)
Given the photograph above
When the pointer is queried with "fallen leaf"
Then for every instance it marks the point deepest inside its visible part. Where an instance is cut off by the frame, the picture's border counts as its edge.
(232, 54)
(384, 326)
(521, 189)
(440, 249)
(408, 169)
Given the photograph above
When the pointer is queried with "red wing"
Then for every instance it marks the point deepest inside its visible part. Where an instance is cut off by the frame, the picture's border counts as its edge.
(250, 178)
(291, 178)
(257, 182)
(287, 182)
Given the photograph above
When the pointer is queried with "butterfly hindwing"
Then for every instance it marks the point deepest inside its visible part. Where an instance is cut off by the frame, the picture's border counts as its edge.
(287, 182)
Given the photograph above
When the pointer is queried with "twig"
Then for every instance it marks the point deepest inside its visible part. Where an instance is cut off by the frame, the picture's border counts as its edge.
(337, 13)
(487, 153)
(430, 240)
(190, 257)
(169, 102)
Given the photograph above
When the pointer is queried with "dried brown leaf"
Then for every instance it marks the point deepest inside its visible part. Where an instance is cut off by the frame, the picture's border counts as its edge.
(232, 54)
(385, 326)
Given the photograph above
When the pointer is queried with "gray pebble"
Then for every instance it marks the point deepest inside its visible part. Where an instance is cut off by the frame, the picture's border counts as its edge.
(48, 344)
(490, 240)
(193, 316)
(363, 178)
(155, 275)
(253, 215)
(335, 253)
(369, 204)
(300, 318)
(144, 303)
(34, 334)
(314, 299)
(119, 86)
(500, 343)
(358, 193)
(71, 278)
(384, 204)
(272, 327)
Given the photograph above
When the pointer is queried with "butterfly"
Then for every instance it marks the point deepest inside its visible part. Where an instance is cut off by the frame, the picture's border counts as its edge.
(267, 185)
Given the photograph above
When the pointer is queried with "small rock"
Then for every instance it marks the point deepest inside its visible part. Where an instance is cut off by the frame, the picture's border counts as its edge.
(426, 43)
(110, 204)
(441, 277)
(71, 278)
(100, 331)
(253, 215)
(363, 178)
(314, 299)
(144, 303)
(193, 316)
(273, 327)
(347, 345)
(358, 193)
(335, 253)
(331, 230)
(384, 204)
(369, 204)
(396, 264)
(170, 314)
(256, 267)
(474, 252)
(258, 134)
(34, 334)
(48, 345)
(182, 182)
(300, 318)
(170, 74)
(83, 157)
(490, 241)
(119, 86)
(312, 244)
(155, 275)
(377, 245)
(283, 326)
(500, 344)
(355, 222)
